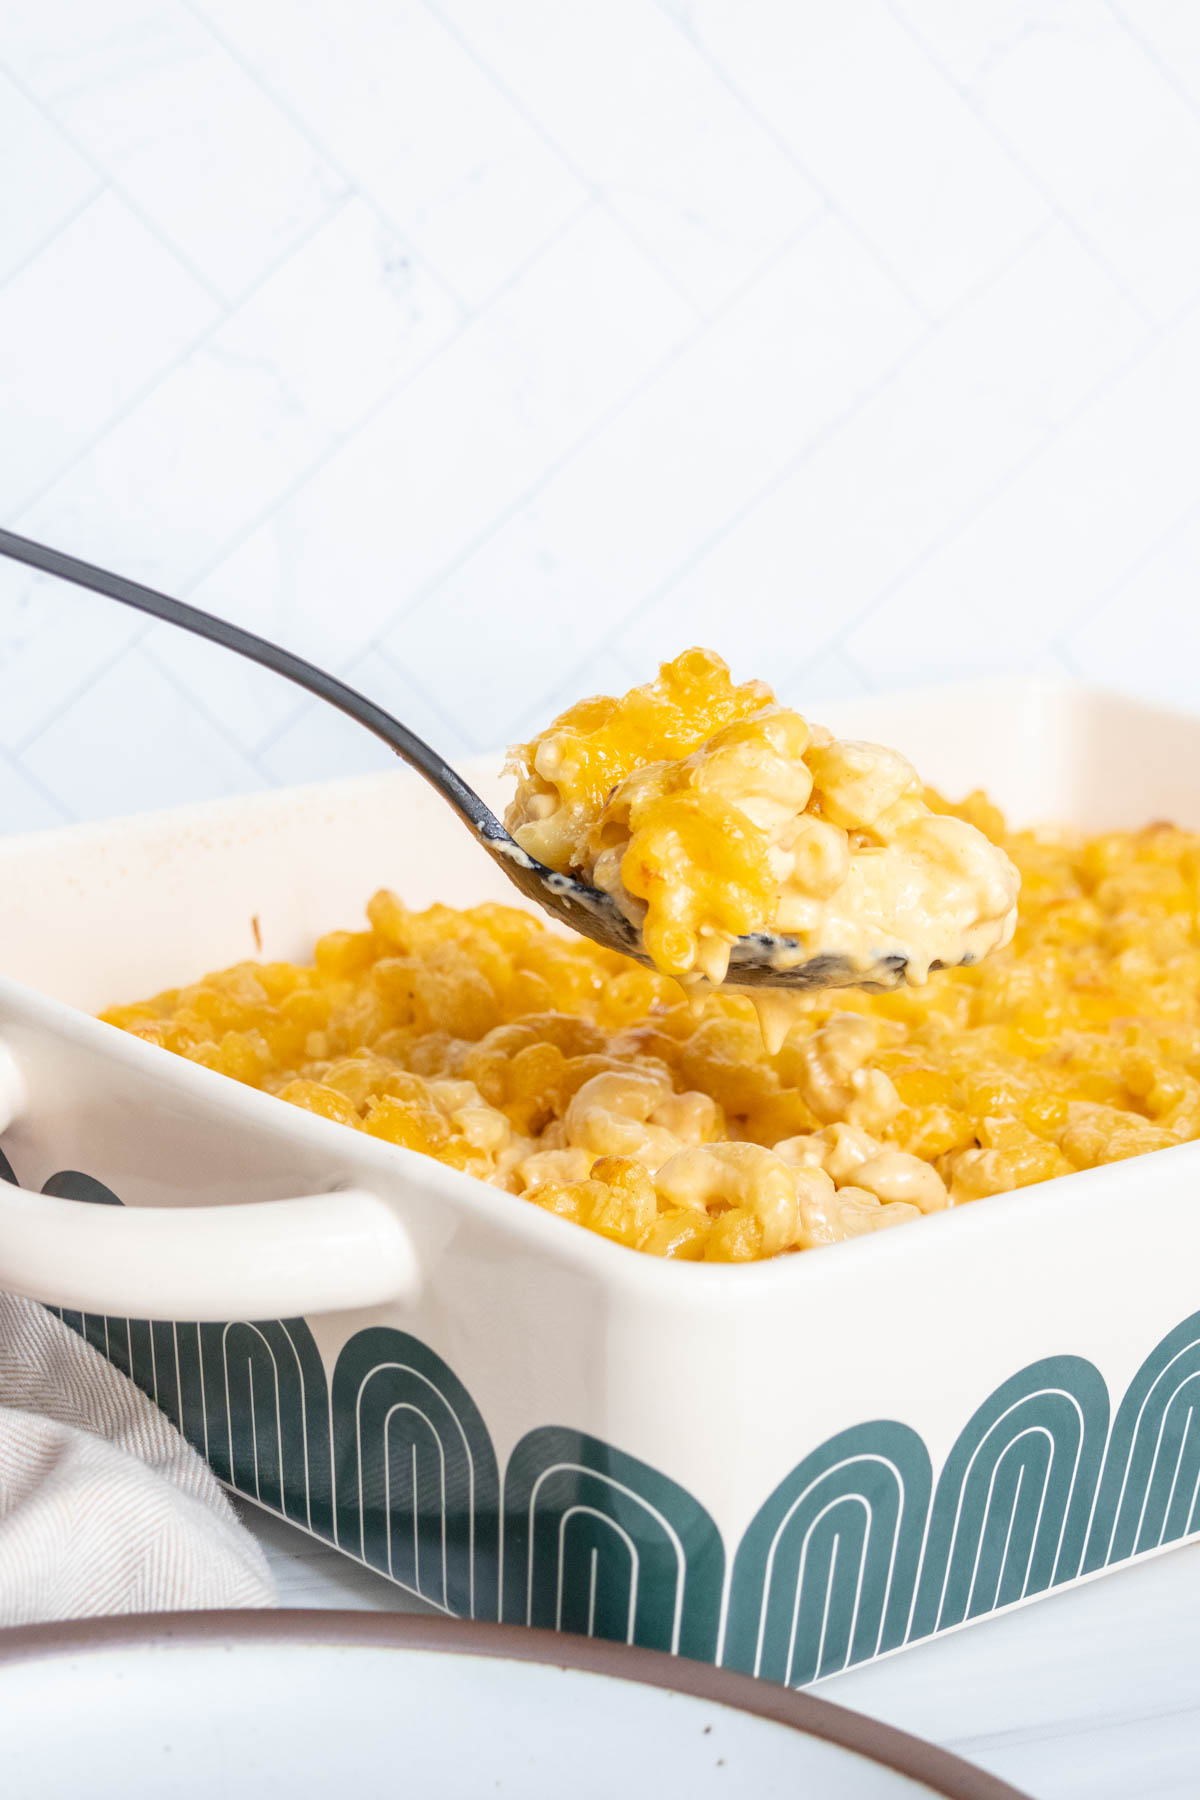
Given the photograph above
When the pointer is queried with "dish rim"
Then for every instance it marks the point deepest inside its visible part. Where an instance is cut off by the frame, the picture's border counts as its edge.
(887, 1746)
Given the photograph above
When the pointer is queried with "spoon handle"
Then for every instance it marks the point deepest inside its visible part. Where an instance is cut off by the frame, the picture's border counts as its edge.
(397, 737)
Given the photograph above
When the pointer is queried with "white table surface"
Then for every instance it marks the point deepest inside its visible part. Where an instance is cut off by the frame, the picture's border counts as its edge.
(1092, 1694)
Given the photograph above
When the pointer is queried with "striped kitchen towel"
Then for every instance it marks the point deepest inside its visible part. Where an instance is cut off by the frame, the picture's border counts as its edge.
(104, 1508)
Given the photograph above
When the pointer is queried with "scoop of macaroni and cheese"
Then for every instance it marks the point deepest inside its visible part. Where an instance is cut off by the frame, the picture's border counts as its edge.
(708, 811)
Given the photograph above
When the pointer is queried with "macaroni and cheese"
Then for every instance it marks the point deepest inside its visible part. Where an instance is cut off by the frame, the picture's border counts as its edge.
(594, 1088)
(707, 811)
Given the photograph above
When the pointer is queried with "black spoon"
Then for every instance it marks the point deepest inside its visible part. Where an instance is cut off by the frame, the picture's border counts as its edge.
(761, 959)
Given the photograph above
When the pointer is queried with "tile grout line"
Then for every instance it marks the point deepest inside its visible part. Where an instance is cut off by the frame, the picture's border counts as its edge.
(551, 143)
(771, 131)
(52, 236)
(1066, 656)
(307, 704)
(230, 547)
(310, 707)
(304, 129)
(39, 786)
(118, 189)
(696, 334)
(932, 332)
(29, 738)
(432, 700)
(1095, 394)
(154, 382)
(1148, 50)
(929, 335)
(1082, 237)
(339, 441)
(139, 643)
(1176, 528)
(198, 705)
(853, 663)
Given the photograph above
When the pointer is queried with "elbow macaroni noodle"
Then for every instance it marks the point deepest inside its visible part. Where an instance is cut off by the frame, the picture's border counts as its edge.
(595, 1089)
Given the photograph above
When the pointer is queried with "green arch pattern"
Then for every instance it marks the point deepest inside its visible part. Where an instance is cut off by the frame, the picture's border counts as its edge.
(72, 1184)
(418, 1489)
(266, 1414)
(597, 1542)
(1150, 1488)
(1011, 1510)
(825, 1572)
(251, 1396)
(847, 1558)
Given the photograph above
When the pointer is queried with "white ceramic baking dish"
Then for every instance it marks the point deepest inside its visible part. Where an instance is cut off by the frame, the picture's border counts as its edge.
(787, 1467)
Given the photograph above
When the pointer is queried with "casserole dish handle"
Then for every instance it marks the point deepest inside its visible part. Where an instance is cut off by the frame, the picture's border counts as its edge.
(266, 1259)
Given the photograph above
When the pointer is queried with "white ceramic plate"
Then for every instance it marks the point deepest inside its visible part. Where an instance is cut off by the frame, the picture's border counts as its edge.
(315, 1704)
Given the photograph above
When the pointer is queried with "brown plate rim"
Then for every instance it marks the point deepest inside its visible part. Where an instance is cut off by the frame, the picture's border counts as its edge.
(941, 1771)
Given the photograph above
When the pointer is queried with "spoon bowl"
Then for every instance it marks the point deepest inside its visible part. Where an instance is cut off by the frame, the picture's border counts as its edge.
(761, 959)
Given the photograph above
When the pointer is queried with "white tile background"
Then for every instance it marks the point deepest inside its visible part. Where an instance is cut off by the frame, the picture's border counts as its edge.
(488, 352)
